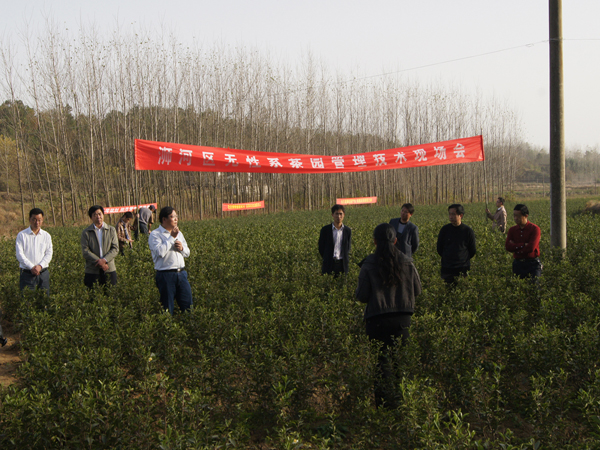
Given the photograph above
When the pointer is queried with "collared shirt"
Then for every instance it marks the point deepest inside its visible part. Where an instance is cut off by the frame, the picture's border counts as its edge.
(164, 254)
(337, 241)
(99, 237)
(33, 249)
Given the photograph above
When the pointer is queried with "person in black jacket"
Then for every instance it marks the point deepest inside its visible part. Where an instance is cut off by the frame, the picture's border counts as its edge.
(406, 231)
(335, 241)
(388, 283)
(456, 245)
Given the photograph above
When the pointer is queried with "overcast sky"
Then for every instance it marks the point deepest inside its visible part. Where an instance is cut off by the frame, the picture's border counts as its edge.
(497, 48)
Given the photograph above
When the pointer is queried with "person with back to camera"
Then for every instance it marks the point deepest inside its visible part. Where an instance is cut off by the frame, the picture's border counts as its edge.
(388, 283)
(145, 219)
(406, 231)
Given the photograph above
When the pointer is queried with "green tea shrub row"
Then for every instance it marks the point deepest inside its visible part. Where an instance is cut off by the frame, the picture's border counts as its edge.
(273, 355)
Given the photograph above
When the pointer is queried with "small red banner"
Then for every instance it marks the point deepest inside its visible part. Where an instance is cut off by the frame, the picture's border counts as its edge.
(356, 201)
(243, 206)
(124, 209)
(150, 155)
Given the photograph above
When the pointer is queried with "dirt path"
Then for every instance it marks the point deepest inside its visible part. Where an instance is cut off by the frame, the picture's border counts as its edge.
(9, 356)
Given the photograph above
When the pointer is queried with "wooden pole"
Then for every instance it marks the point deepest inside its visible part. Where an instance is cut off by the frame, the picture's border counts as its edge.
(558, 201)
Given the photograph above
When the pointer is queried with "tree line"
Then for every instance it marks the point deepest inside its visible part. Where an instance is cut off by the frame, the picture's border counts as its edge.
(76, 102)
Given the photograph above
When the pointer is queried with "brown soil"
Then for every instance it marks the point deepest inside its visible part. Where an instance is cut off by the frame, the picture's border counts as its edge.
(9, 356)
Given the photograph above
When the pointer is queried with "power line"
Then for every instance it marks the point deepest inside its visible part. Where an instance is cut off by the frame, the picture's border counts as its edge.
(447, 61)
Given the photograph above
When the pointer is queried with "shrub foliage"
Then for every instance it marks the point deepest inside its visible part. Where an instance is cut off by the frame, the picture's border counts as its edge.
(274, 355)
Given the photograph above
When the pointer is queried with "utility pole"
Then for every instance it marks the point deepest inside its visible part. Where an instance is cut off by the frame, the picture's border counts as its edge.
(558, 200)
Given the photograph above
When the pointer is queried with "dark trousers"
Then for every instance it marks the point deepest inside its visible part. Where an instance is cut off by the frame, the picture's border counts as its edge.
(174, 287)
(42, 281)
(101, 278)
(525, 268)
(451, 275)
(387, 329)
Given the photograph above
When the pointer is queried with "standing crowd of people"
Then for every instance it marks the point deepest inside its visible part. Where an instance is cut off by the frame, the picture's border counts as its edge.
(388, 282)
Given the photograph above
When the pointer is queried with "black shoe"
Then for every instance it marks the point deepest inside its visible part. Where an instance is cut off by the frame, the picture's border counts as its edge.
(3, 341)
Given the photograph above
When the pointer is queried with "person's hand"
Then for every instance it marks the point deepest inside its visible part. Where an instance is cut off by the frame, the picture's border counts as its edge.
(36, 270)
(487, 210)
(175, 231)
(102, 264)
(178, 246)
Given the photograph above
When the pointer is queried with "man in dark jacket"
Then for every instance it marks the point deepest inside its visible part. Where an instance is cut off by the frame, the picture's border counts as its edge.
(335, 241)
(456, 245)
(406, 231)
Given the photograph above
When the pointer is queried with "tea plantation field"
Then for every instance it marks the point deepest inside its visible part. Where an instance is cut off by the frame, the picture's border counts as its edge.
(274, 356)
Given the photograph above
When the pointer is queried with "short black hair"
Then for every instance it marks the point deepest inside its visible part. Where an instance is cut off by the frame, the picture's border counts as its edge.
(460, 210)
(409, 207)
(95, 208)
(337, 207)
(524, 210)
(128, 215)
(35, 212)
(501, 200)
(152, 208)
(165, 212)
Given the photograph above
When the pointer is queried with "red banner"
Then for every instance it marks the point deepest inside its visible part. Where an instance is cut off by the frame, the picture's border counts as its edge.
(150, 155)
(356, 201)
(243, 206)
(124, 209)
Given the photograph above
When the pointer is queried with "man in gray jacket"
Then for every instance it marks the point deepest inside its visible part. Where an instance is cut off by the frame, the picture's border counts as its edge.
(99, 246)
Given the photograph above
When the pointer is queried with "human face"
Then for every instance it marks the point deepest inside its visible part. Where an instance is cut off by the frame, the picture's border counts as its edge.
(455, 219)
(405, 215)
(338, 218)
(35, 222)
(520, 219)
(170, 222)
(98, 218)
(498, 203)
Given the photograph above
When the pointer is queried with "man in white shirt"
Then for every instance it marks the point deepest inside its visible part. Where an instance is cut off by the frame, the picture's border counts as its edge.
(335, 241)
(169, 248)
(34, 253)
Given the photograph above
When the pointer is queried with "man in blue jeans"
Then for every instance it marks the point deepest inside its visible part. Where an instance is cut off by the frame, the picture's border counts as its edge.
(169, 248)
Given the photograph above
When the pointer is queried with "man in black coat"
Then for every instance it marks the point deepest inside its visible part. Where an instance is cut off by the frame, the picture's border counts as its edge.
(406, 231)
(456, 245)
(335, 243)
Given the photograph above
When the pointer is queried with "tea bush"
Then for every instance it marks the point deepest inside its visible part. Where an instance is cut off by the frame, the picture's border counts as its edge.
(274, 355)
